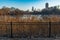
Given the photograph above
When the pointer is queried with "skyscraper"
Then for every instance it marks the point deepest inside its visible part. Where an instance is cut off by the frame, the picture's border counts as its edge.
(46, 5)
(32, 8)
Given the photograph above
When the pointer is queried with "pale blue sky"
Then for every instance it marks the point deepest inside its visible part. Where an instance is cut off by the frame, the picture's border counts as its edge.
(27, 4)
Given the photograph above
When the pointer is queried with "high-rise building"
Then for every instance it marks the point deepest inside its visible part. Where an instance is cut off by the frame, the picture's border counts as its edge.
(32, 8)
(46, 5)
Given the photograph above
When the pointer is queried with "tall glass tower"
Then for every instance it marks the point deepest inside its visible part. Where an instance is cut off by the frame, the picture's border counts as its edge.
(46, 5)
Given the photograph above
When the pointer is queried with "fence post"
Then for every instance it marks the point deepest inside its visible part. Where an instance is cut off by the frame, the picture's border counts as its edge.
(11, 31)
(49, 29)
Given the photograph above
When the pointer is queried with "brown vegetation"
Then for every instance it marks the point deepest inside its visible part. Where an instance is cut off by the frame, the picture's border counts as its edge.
(33, 29)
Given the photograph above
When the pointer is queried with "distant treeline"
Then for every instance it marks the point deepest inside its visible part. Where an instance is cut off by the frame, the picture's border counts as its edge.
(16, 11)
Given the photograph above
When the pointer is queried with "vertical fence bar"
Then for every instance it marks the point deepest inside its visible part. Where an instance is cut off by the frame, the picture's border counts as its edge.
(11, 31)
(1, 29)
(49, 29)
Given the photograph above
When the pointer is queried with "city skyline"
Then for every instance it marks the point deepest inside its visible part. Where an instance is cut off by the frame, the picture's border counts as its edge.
(27, 4)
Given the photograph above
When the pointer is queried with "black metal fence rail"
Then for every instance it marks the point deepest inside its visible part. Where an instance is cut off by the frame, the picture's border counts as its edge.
(29, 29)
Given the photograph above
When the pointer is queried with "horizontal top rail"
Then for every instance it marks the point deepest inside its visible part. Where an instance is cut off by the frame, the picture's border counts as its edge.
(29, 23)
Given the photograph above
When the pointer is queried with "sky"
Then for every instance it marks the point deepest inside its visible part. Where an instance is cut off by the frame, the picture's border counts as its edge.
(27, 4)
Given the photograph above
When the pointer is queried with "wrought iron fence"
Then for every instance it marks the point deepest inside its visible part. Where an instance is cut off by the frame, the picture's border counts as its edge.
(29, 29)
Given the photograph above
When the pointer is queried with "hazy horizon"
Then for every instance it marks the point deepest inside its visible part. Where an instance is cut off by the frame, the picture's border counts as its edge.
(27, 4)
